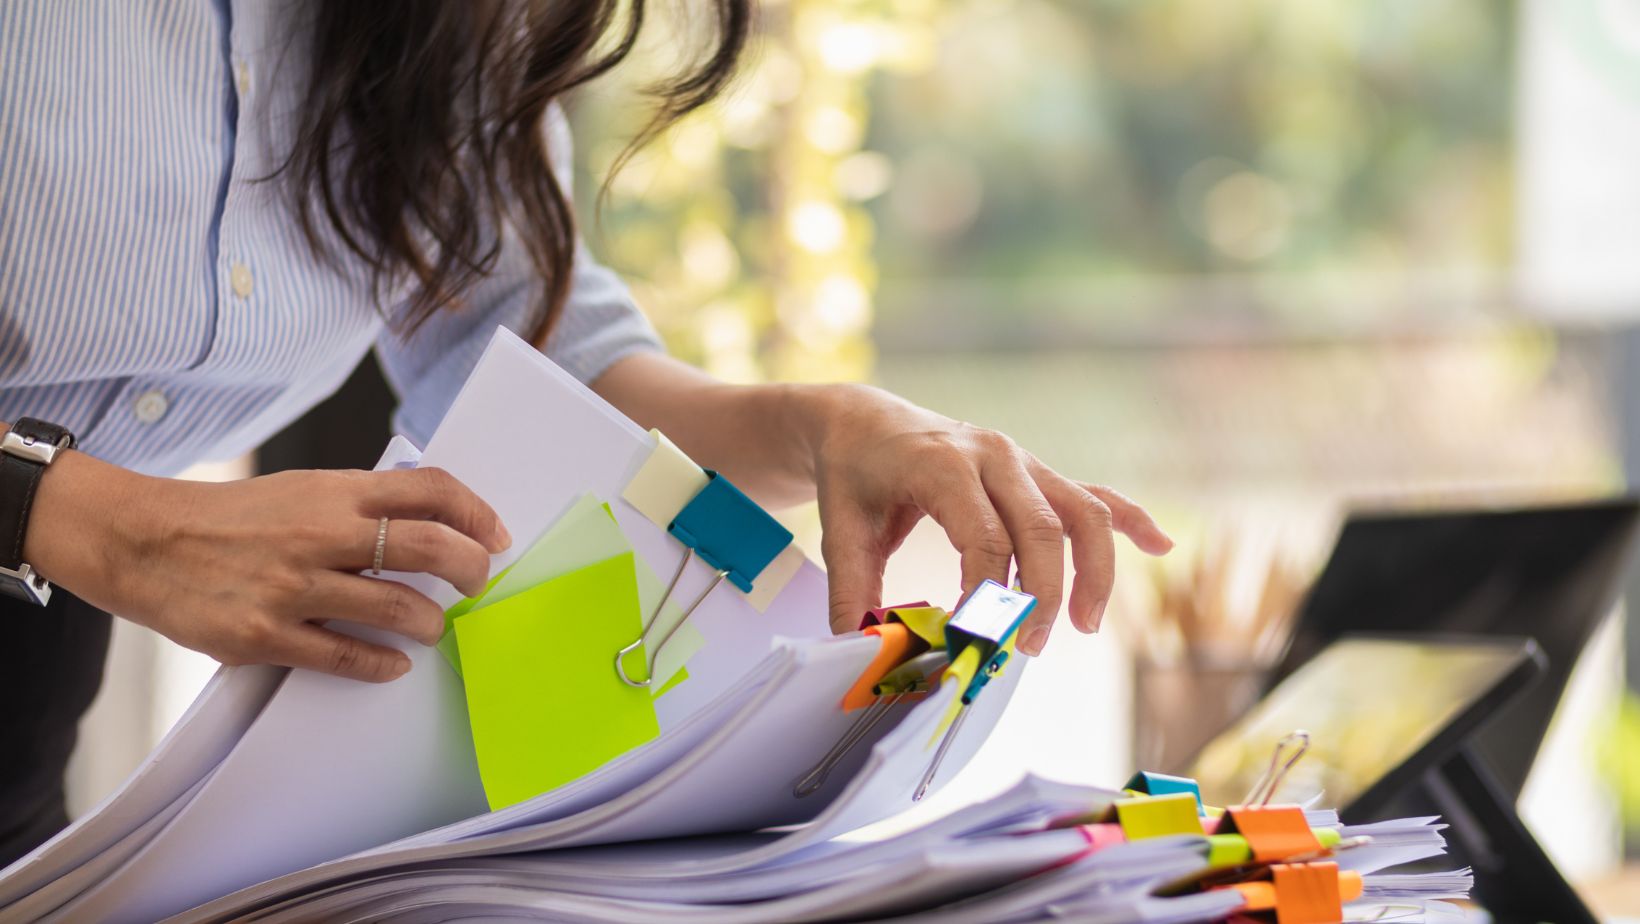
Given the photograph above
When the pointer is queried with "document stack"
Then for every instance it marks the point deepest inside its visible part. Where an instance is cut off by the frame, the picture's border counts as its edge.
(645, 717)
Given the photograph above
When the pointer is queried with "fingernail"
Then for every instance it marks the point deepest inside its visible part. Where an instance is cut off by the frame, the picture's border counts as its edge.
(1098, 615)
(1035, 641)
(503, 539)
(401, 666)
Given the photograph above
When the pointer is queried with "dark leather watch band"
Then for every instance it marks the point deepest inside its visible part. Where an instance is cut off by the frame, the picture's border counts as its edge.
(25, 451)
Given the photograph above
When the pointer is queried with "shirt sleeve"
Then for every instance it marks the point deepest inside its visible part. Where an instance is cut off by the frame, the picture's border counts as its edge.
(598, 326)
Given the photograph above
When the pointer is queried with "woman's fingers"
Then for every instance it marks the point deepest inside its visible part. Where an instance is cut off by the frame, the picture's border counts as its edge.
(854, 563)
(1038, 538)
(420, 546)
(955, 498)
(1132, 520)
(434, 494)
(385, 604)
(1087, 521)
(316, 648)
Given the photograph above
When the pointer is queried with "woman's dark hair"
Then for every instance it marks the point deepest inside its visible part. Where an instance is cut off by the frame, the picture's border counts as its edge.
(421, 134)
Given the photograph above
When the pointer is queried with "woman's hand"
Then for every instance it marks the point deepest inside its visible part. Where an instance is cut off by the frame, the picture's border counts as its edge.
(878, 465)
(881, 464)
(244, 571)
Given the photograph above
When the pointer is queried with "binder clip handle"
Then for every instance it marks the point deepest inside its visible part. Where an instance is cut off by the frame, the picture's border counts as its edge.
(620, 656)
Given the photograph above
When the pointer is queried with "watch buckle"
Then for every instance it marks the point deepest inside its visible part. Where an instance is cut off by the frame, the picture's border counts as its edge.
(27, 447)
(26, 583)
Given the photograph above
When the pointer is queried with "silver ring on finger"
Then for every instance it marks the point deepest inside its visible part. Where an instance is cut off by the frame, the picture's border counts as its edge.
(381, 546)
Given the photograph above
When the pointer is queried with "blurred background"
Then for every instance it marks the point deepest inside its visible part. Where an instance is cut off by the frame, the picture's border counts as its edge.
(1255, 264)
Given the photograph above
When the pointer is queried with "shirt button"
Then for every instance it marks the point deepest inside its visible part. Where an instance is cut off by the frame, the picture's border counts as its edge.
(242, 77)
(151, 406)
(240, 278)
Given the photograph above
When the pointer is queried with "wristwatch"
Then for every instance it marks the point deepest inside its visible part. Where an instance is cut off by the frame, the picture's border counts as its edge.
(25, 451)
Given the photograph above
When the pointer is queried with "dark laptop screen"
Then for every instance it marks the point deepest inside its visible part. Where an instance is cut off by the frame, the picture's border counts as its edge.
(1550, 574)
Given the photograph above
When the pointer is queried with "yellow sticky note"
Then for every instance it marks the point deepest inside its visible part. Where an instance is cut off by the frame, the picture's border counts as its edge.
(926, 622)
(1158, 816)
(543, 698)
(775, 576)
(667, 481)
(959, 674)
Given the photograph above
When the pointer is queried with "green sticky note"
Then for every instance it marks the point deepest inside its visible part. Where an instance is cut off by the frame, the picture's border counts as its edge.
(447, 646)
(1228, 850)
(1158, 816)
(447, 642)
(585, 534)
(543, 698)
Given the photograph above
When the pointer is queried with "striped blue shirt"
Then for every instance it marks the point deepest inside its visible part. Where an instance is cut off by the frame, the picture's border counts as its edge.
(160, 301)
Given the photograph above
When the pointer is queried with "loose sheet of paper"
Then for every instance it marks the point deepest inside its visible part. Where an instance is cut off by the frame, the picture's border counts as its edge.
(545, 704)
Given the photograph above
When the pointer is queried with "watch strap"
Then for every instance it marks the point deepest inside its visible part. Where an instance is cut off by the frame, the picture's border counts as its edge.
(19, 482)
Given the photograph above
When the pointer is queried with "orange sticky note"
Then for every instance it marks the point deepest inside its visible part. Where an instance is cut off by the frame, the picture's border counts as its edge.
(898, 644)
(1307, 893)
(1258, 896)
(1273, 832)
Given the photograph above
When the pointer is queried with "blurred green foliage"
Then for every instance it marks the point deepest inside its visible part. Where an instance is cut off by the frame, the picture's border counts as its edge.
(991, 147)
(1098, 137)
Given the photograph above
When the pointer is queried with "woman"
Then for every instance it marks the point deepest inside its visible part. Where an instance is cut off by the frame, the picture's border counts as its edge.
(210, 212)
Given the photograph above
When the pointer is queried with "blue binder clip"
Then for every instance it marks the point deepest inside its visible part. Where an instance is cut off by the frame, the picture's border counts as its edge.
(988, 619)
(1162, 784)
(985, 623)
(730, 532)
(727, 530)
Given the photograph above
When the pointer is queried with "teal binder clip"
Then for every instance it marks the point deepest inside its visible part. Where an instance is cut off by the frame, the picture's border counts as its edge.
(727, 530)
(989, 618)
(730, 532)
(1162, 784)
(985, 624)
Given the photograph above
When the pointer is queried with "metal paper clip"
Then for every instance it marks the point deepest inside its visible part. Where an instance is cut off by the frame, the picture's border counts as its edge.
(1269, 782)
(868, 720)
(620, 668)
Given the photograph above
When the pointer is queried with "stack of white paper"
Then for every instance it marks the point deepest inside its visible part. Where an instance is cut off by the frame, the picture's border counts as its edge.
(294, 796)
(997, 862)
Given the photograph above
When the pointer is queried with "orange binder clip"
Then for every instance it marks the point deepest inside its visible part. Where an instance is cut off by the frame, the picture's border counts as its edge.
(1273, 832)
(1303, 893)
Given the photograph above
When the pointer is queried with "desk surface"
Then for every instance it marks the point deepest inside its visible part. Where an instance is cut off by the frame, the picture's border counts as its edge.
(1615, 896)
